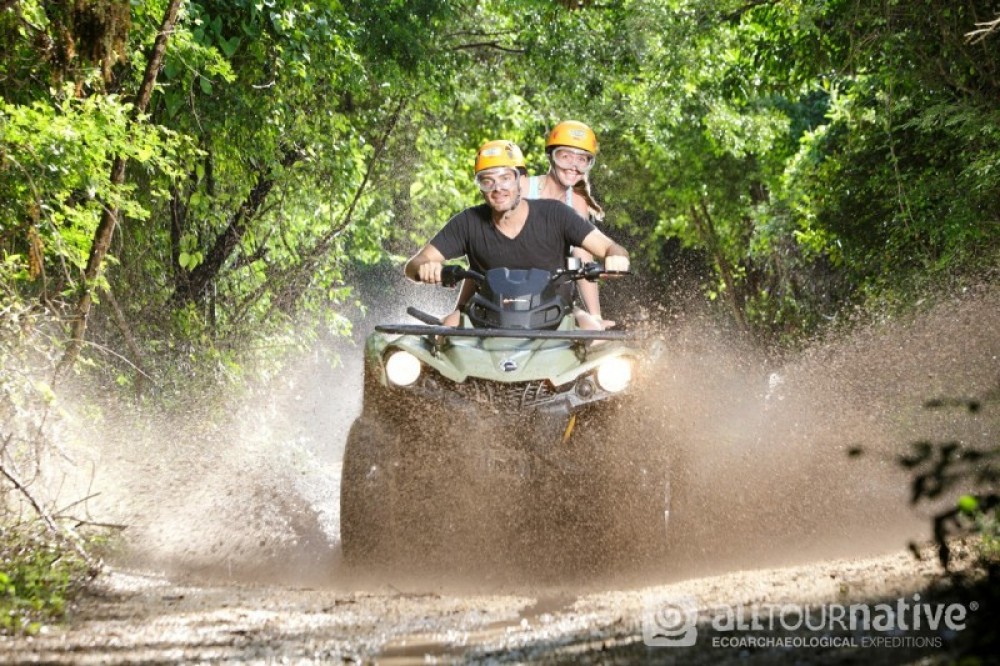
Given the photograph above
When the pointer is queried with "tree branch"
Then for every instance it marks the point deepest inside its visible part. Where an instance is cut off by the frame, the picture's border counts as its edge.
(65, 535)
(109, 218)
(491, 45)
(984, 30)
(226, 242)
(130, 342)
(312, 257)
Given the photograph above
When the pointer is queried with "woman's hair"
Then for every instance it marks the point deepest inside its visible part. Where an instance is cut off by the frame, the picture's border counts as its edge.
(582, 189)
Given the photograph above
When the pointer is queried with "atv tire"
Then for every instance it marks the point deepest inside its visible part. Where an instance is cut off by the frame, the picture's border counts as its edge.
(366, 520)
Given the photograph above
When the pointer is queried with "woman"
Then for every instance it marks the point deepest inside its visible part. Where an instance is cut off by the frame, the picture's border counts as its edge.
(571, 147)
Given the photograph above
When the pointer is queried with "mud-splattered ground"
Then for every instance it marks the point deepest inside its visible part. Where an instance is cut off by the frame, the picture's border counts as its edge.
(790, 492)
(144, 618)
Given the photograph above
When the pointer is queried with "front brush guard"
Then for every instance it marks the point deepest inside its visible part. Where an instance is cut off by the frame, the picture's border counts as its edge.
(529, 334)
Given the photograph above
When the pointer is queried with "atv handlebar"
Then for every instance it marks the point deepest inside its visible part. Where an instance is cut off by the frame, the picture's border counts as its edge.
(451, 275)
(591, 271)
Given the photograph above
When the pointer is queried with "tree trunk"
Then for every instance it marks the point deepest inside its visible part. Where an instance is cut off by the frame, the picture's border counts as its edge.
(204, 274)
(706, 228)
(109, 218)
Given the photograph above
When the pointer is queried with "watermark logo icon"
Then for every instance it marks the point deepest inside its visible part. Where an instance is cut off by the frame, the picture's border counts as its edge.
(670, 622)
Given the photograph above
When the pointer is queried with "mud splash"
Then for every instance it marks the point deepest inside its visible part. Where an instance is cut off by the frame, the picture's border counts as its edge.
(777, 463)
(799, 461)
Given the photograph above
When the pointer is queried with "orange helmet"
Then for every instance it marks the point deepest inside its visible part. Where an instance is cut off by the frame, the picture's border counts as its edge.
(500, 153)
(574, 134)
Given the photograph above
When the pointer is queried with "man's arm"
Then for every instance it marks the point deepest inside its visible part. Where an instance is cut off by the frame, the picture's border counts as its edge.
(425, 266)
(614, 255)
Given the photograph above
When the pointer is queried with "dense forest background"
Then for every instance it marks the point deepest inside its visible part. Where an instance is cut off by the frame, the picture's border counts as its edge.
(181, 178)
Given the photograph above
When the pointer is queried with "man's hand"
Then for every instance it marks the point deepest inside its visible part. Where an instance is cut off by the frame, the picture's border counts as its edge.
(425, 266)
(616, 262)
(430, 272)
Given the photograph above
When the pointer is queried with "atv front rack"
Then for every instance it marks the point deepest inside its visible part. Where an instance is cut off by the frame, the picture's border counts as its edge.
(449, 331)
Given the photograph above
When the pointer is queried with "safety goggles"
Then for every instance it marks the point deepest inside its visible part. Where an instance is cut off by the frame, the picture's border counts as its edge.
(573, 158)
(496, 179)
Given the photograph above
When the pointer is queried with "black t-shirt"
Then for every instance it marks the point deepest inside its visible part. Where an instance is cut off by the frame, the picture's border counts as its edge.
(544, 242)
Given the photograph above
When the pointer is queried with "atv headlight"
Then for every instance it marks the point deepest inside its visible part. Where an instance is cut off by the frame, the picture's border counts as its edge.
(615, 374)
(402, 368)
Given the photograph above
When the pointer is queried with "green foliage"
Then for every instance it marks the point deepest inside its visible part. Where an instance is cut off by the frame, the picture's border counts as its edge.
(988, 528)
(813, 155)
(54, 176)
(985, 523)
(825, 150)
(39, 577)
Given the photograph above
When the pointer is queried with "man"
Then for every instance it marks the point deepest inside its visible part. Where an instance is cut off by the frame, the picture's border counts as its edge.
(509, 231)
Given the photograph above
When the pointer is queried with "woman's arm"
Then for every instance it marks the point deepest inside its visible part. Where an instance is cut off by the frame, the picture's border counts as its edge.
(615, 257)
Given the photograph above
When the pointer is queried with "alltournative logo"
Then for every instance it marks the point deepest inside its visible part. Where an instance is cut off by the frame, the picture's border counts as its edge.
(673, 622)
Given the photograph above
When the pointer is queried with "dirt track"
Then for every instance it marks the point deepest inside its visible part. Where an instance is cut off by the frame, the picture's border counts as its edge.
(792, 494)
(141, 618)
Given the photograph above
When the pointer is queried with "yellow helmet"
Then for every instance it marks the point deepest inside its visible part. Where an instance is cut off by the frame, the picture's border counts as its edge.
(574, 134)
(500, 153)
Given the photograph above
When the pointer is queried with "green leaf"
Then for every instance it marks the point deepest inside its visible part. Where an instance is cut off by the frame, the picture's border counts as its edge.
(229, 46)
(968, 504)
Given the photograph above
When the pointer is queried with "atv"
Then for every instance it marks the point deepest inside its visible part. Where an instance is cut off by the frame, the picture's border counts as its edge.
(515, 432)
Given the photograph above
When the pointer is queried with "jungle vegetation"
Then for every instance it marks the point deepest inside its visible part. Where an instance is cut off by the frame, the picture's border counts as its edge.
(183, 181)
